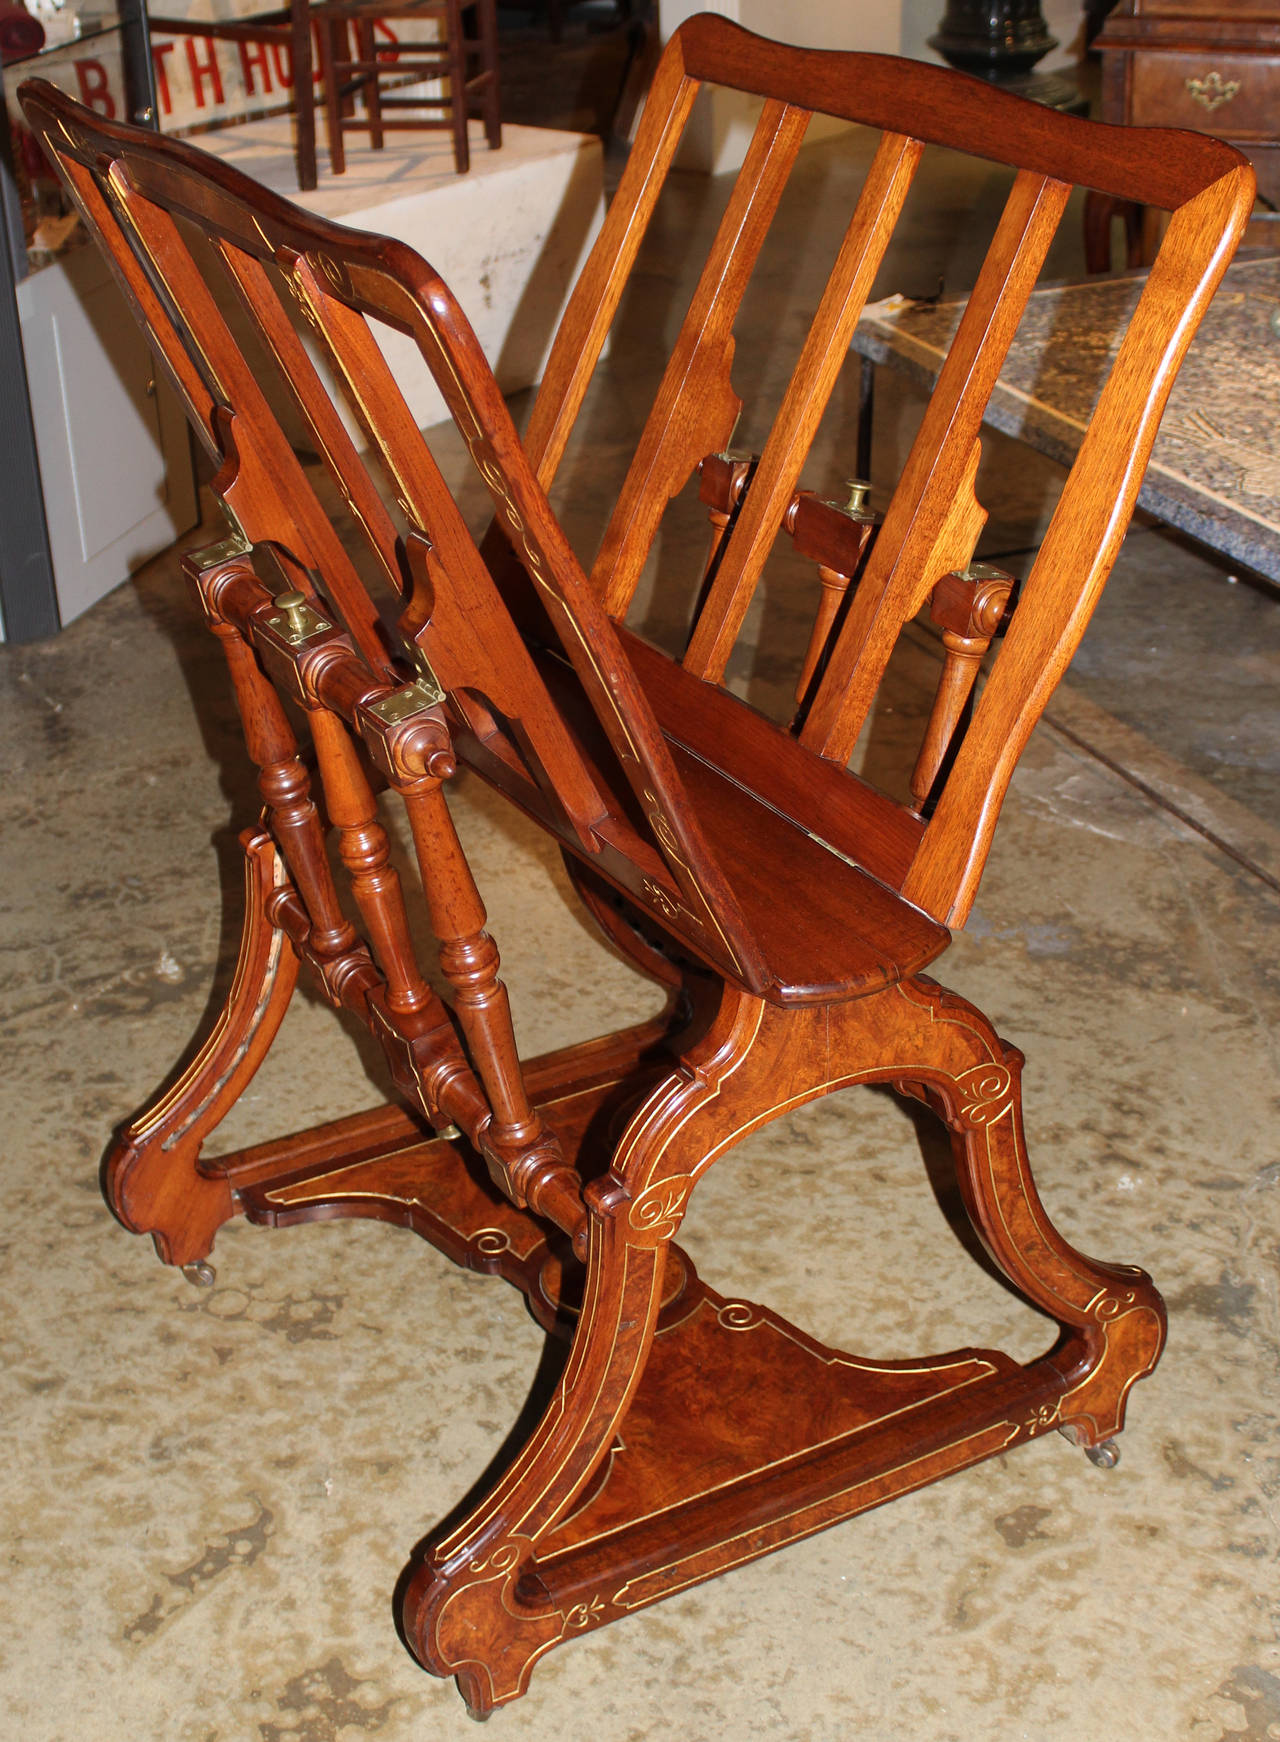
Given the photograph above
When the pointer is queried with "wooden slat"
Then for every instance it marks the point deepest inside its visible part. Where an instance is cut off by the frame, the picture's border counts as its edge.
(933, 520)
(197, 388)
(286, 511)
(696, 407)
(1080, 545)
(310, 395)
(825, 350)
(594, 302)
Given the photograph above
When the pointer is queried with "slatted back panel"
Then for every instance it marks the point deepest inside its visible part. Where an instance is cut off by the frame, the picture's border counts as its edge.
(143, 197)
(933, 522)
(134, 193)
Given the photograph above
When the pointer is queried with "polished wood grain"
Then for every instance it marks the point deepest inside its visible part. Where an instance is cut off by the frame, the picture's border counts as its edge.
(787, 905)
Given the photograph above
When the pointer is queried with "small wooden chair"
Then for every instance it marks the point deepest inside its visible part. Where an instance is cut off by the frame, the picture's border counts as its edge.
(355, 71)
(287, 27)
(788, 905)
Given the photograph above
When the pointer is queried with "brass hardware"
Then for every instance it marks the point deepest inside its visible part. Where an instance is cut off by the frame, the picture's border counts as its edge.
(1212, 91)
(856, 507)
(213, 556)
(984, 572)
(422, 665)
(424, 692)
(294, 606)
(295, 620)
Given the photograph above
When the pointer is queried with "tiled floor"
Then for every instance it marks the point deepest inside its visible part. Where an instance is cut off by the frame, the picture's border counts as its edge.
(208, 1497)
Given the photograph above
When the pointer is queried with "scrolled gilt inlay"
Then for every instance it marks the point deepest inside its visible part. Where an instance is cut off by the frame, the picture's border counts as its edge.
(1043, 1417)
(986, 1093)
(1113, 1306)
(582, 1614)
(661, 899)
(503, 1558)
(658, 1210)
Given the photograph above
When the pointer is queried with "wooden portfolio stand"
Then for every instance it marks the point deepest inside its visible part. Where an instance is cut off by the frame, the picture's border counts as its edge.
(790, 907)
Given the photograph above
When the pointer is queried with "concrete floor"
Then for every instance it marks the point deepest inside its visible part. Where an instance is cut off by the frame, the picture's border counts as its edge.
(208, 1496)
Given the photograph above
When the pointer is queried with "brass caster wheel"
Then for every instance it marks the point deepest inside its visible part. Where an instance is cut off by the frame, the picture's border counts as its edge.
(1104, 1456)
(200, 1274)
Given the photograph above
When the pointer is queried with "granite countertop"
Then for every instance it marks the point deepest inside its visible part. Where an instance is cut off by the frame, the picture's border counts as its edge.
(1215, 471)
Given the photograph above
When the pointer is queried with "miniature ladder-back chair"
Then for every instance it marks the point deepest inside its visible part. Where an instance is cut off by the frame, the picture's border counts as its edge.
(789, 905)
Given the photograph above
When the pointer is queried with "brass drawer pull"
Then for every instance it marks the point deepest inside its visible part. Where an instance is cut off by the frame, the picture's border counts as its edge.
(1213, 91)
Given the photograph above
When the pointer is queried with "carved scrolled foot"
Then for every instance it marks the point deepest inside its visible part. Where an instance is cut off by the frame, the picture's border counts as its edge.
(151, 1177)
(200, 1274)
(1120, 1344)
(1112, 1315)
(471, 1620)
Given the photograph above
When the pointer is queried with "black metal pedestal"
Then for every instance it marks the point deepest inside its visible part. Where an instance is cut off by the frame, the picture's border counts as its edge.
(1001, 41)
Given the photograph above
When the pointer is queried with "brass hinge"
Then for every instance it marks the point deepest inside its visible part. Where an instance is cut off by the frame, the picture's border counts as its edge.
(426, 690)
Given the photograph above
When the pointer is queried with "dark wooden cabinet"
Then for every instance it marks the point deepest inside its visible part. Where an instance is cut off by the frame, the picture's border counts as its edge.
(1206, 64)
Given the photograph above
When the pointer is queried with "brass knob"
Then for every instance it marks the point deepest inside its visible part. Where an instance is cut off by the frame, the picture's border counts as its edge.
(294, 607)
(859, 489)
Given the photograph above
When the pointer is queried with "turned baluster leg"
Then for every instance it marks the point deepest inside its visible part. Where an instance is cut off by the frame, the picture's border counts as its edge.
(366, 854)
(523, 1155)
(469, 958)
(286, 787)
(432, 1071)
(969, 609)
(834, 588)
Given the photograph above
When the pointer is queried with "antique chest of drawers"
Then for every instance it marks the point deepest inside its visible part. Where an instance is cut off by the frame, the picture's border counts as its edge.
(1213, 65)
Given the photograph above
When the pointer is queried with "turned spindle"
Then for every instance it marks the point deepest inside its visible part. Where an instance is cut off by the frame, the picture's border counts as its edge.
(837, 536)
(970, 607)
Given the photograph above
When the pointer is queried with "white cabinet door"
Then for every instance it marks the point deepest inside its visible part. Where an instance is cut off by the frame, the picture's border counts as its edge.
(115, 459)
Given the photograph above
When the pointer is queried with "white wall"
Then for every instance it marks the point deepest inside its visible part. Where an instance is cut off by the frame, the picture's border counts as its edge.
(721, 125)
(872, 25)
(722, 122)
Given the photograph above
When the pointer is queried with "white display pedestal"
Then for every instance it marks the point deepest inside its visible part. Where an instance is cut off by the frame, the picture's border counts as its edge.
(508, 238)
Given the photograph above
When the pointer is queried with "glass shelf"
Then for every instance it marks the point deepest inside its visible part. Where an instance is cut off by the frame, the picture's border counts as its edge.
(87, 27)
